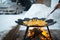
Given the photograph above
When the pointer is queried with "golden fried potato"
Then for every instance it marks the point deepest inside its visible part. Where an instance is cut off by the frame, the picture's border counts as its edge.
(35, 22)
(41, 23)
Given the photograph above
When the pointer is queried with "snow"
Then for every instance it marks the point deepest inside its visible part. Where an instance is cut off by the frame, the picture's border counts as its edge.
(7, 21)
(38, 10)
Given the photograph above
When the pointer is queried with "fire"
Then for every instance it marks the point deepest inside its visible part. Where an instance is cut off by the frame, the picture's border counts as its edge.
(43, 36)
(45, 33)
(30, 33)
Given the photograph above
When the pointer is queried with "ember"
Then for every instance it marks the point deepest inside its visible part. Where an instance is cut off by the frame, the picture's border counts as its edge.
(38, 34)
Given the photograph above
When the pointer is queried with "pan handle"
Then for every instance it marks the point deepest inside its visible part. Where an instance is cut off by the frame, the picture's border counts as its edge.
(56, 7)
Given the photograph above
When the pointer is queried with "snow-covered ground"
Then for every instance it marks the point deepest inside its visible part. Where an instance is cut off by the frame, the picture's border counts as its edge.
(7, 21)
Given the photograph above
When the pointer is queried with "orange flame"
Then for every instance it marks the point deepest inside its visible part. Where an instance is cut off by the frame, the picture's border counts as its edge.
(45, 33)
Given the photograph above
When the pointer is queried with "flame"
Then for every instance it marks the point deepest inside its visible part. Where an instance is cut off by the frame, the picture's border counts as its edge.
(45, 33)
(30, 33)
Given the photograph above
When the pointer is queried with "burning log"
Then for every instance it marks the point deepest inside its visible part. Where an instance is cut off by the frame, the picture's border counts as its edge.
(37, 33)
